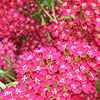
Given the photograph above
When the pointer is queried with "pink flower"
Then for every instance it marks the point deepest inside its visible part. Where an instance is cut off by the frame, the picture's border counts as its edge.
(70, 74)
(52, 68)
(98, 57)
(81, 77)
(76, 87)
(92, 75)
(50, 53)
(54, 91)
(66, 96)
(38, 97)
(70, 58)
(84, 67)
(61, 80)
(37, 59)
(39, 80)
(86, 87)
(7, 92)
(62, 46)
(23, 78)
(63, 66)
(77, 97)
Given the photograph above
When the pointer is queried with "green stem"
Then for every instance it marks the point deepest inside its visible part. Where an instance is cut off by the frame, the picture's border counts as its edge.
(7, 79)
(11, 77)
(6, 72)
(43, 21)
(2, 73)
(54, 12)
(10, 64)
(2, 85)
(60, 1)
(48, 14)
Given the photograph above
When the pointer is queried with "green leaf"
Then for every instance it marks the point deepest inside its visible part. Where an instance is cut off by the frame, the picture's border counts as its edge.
(56, 84)
(98, 86)
(71, 63)
(9, 63)
(72, 16)
(65, 17)
(23, 12)
(42, 62)
(26, 13)
(87, 57)
(20, 11)
(47, 20)
(66, 52)
(81, 13)
(61, 18)
(5, 12)
(59, 1)
(40, 12)
(35, 14)
(48, 87)
(43, 21)
(99, 70)
(2, 73)
(38, 2)
(8, 22)
(98, 90)
(77, 58)
(75, 63)
(8, 60)
(0, 89)
(63, 88)
(48, 36)
(61, 28)
(26, 2)
(73, 33)
(99, 6)
(12, 84)
(45, 2)
(17, 6)
(82, 29)
(87, 76)
(30, 72)
(81, 21)
(66, 26)
(16, 56)
(49, 7)
(49, 4)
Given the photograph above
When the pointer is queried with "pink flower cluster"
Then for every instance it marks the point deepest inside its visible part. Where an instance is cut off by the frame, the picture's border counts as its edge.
(7, 48)
(13, 23)
(58, 61)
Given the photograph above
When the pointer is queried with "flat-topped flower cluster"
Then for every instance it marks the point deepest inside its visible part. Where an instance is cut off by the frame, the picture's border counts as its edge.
(53, 52)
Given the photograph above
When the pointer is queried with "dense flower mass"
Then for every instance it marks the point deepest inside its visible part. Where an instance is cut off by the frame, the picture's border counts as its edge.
(50, 50)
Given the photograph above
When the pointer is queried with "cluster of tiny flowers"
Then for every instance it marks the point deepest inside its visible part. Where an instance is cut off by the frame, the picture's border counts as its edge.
(67, 76)
(56, 61)
(14, 19)
(7, 49)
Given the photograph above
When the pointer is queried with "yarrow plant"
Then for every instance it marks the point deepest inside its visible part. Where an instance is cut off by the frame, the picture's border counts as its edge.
(50, 50)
